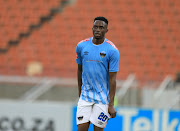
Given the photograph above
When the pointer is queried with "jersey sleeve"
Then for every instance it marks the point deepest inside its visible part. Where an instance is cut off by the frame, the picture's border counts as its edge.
(114, 61)
(78, 52)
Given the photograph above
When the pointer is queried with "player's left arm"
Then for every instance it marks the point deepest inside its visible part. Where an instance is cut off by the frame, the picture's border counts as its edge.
(113, 69)
(112, 91)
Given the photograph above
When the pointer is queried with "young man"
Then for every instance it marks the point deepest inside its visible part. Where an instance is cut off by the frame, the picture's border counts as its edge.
(98, 63)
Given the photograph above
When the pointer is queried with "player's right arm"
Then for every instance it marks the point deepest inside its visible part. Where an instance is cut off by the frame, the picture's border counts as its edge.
(79, 70)
(79, 76)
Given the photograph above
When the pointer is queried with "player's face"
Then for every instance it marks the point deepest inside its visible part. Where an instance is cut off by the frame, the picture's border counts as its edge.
(99, 29)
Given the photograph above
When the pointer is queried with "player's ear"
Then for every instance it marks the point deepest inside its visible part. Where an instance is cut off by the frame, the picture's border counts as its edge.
(106, 30)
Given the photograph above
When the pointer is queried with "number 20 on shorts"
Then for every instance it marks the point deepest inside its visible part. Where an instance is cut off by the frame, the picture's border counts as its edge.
(102, 117)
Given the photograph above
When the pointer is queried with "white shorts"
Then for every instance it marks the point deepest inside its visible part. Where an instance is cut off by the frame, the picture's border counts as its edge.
(95, 113)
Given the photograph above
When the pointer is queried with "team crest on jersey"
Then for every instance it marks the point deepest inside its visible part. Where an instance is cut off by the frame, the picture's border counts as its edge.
(102, 54)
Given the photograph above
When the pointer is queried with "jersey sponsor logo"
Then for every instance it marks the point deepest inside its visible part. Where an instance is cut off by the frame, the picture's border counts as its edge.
(102, 54)
(109, 42)
(93, 61)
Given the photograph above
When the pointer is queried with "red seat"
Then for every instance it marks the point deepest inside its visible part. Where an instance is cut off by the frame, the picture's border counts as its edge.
(145, 32)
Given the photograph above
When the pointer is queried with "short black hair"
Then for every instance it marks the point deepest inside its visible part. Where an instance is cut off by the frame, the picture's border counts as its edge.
(102, 19)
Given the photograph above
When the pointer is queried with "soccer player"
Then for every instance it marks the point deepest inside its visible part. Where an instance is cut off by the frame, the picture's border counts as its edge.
(98, 63)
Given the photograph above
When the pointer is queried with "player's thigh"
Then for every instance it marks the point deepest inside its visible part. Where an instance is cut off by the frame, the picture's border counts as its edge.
(100, 115)
(98, 128)
(84, 110)
(83, 127)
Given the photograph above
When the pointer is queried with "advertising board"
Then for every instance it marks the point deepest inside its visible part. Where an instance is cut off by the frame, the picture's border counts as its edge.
(20, 116)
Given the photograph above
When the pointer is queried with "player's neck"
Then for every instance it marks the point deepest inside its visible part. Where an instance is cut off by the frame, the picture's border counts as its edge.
(98, 41)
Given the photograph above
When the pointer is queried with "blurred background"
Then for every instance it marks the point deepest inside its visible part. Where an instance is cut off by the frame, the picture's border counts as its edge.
(38, 41)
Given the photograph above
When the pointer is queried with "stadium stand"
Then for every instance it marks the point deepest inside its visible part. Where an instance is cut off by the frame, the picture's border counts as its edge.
(17, 16)
(145, 32)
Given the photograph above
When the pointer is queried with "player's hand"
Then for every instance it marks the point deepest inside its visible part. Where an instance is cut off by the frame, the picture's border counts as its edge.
(112, 111)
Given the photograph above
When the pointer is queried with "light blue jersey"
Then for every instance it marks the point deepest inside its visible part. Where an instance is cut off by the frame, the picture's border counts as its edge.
(97, 61)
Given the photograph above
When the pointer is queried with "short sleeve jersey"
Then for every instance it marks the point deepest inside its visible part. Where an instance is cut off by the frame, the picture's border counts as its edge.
(97, 61)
